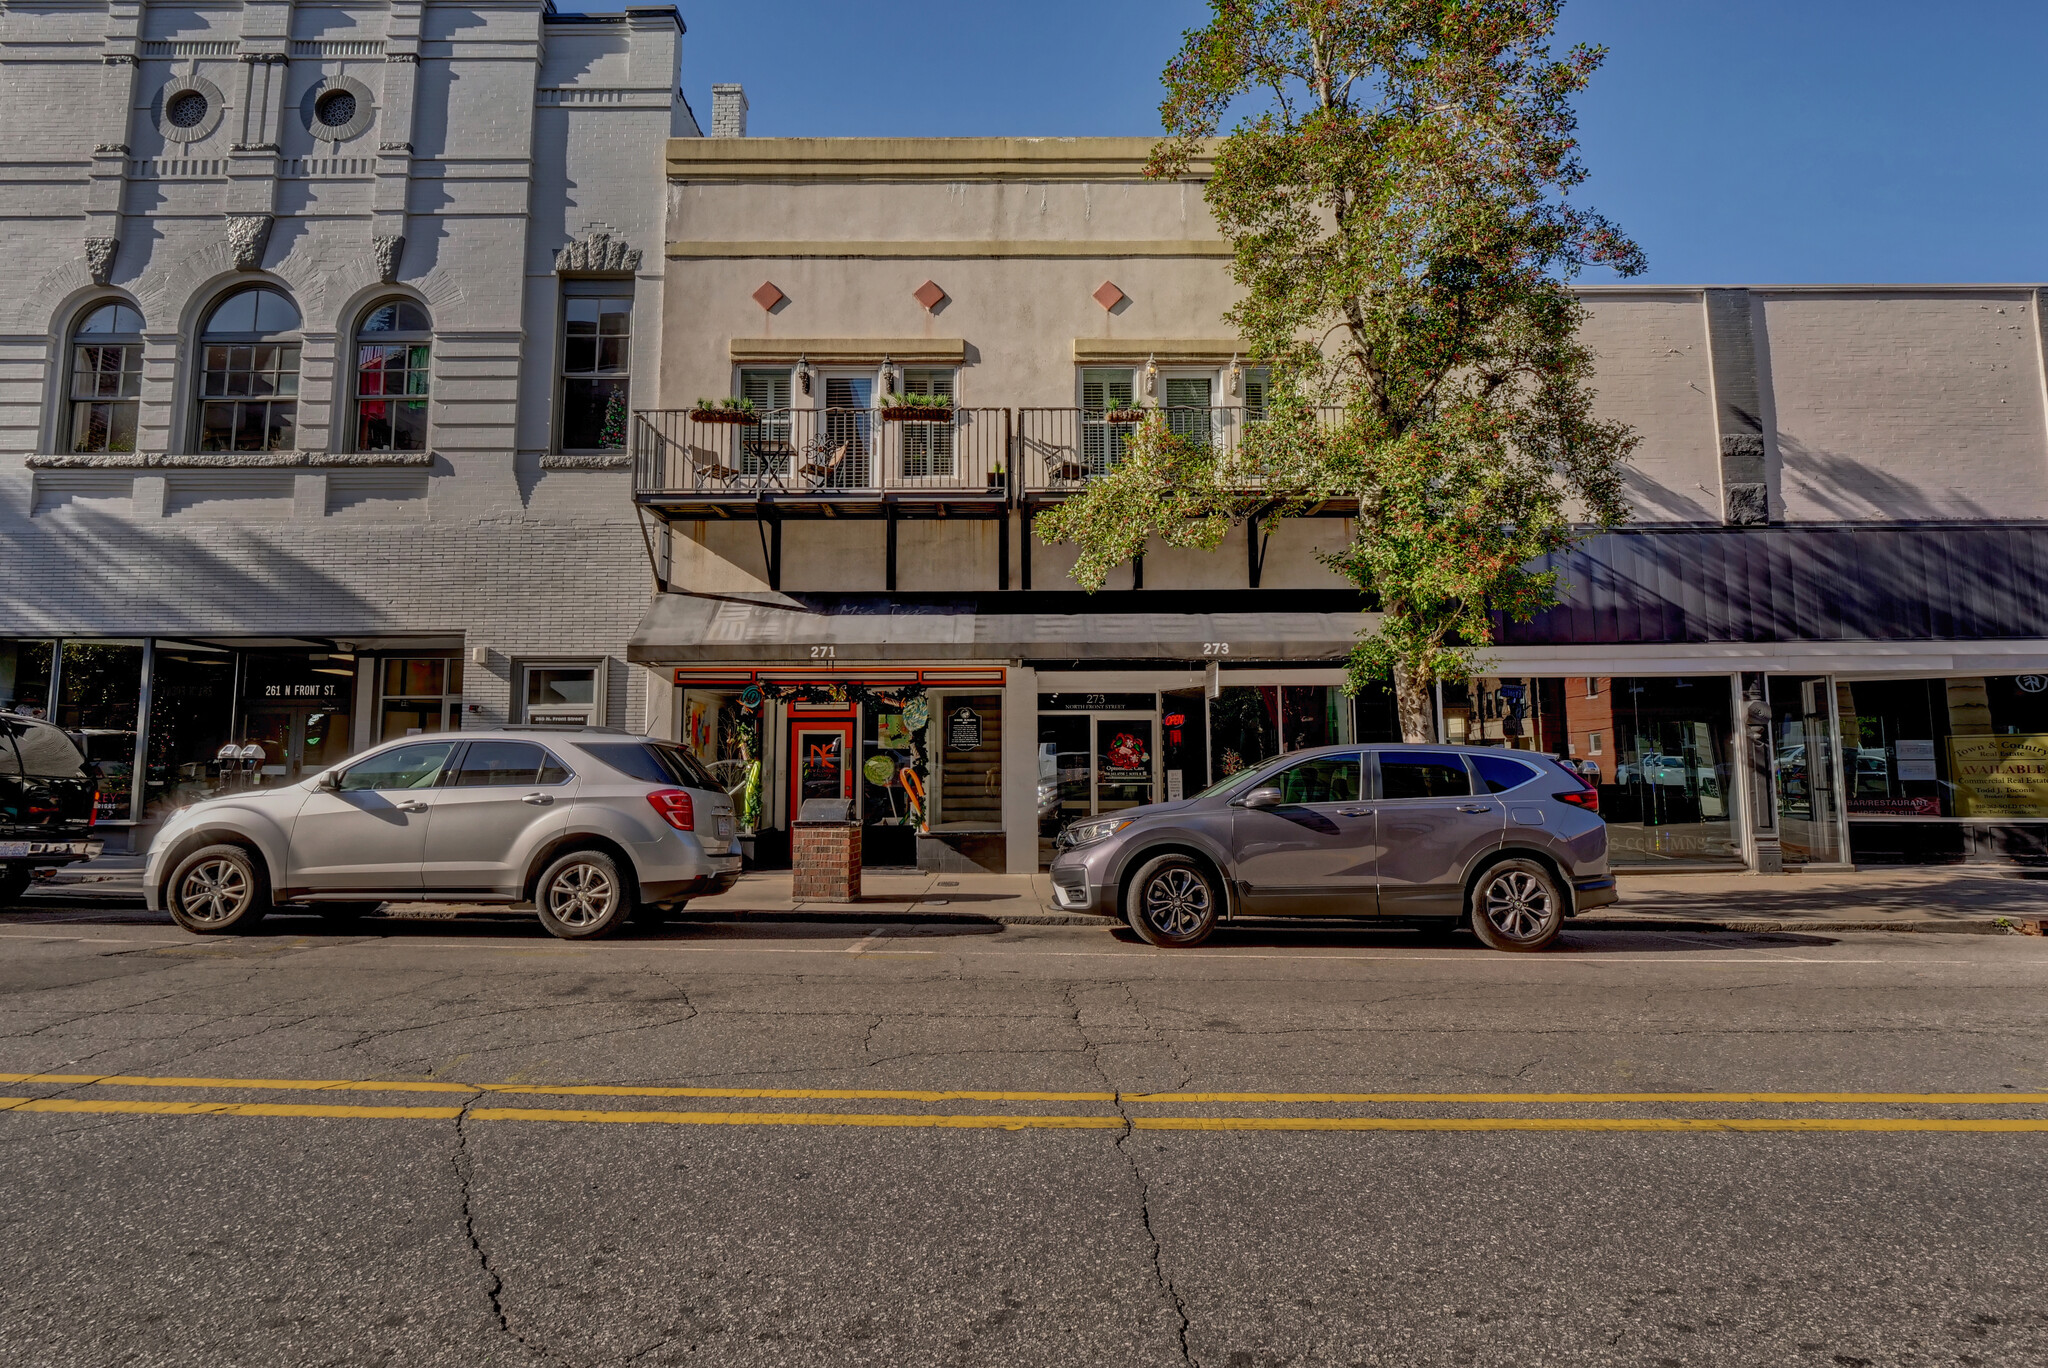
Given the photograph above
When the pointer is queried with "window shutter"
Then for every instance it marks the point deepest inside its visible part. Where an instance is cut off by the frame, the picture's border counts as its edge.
(1256, 383)
(937, 382)
(767, 389)
(1187, 393)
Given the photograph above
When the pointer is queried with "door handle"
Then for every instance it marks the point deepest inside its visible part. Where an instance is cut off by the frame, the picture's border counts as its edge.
(1477, 807)
(414, 806)
(538, 799)
(1354, 812)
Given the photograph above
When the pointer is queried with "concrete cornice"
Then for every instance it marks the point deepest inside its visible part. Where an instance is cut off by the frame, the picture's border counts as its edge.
(954, 250)
(228, 460)
(916, 159)
(950, 350)
(1171, 350)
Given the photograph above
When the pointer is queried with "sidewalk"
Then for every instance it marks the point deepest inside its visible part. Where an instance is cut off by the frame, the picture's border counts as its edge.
(1962, 898)
(1945, 898)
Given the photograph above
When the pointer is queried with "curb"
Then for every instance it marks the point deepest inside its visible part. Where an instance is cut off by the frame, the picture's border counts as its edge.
(1925, 926)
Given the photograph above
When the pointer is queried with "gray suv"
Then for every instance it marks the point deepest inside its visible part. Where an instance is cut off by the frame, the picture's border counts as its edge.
(1509, 842)
(590, 827)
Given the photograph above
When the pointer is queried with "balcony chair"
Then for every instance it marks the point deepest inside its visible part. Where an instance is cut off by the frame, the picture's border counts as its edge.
(820, 475)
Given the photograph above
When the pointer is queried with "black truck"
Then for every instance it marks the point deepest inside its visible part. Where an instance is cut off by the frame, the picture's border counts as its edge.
(47, 802)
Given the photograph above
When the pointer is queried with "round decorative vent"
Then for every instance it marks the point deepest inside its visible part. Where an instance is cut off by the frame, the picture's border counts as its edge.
(336, 108)
(186, 109)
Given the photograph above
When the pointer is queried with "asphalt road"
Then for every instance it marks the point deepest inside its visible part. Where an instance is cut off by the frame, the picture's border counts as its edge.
(763, 1176)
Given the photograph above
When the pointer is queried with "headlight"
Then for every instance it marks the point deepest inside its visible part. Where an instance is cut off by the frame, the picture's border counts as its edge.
(1088, 833)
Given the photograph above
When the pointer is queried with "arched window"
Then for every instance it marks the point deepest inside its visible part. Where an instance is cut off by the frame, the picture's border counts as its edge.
(249, 373)
(106, 378)
(393, 348)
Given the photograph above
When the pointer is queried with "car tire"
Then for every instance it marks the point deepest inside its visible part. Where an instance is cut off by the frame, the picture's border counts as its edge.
(1173, 902)
(1516, 905)
(218, 890)
(14, 881)
(584, 895)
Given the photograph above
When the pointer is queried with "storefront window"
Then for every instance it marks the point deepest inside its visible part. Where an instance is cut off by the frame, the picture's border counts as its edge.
(99, 701)
(967, 735)
(1662, 761)
(420, 694)
(1244, 728)
(1969, 747)
(191, 716)
(567, 694)
(1522, 714)
(1065, 788)
(1183, 744)
(25, 677)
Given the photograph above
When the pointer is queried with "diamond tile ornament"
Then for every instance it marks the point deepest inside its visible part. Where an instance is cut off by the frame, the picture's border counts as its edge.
(768, 296)
(1108, 295)
(928, 294)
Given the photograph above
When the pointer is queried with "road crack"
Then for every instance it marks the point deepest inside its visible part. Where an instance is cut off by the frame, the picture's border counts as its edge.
(1122, 1146)
(494, 1282)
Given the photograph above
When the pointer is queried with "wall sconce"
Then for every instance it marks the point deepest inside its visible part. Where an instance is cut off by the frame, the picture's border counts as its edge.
(888, 375)
(1151, 375)
(803, 374)
(1236, 373)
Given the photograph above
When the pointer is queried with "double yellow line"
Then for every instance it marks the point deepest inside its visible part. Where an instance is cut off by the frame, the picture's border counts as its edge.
(1002, 1121)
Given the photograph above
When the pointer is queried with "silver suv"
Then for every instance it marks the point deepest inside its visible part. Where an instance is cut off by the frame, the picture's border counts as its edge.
(1509, 842)
(589, 826)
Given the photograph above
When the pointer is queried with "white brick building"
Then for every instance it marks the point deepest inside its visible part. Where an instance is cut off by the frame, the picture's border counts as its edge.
(320, 326)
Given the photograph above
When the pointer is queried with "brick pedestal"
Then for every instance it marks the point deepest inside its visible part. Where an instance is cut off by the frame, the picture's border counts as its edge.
(825, 859)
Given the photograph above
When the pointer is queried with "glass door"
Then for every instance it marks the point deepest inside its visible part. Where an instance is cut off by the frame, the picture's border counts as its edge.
(1126, 761)
(1803, 769)
(818, 762)
(847, 432)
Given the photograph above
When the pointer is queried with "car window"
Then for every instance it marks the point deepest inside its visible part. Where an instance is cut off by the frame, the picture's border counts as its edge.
(489, 764)
(552, 770)
(653, 762)
(1501, 774)
(1260, 771)
(402, 767)
(1325, 779)
(10, 763)
(1423, 774)
(47, 753)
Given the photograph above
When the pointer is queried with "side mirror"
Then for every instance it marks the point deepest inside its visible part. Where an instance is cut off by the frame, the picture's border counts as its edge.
(331, 780)
(1262, 798)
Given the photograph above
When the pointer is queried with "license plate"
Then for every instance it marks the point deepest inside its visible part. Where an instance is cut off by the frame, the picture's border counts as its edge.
(13, 850)
(725, 828)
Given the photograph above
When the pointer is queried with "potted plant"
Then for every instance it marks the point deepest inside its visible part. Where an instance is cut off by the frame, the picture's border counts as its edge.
(917, 408)
(727, 410)
(1124, 417)
(998, 478)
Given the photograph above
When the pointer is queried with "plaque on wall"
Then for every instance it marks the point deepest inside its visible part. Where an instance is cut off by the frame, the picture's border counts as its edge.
(963, 730)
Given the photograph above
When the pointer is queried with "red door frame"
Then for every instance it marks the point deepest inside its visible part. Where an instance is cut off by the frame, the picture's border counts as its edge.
(807, 723)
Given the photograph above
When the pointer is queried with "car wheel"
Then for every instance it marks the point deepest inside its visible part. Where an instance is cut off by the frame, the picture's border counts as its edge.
(1173, 902)
(583, 895)
(13, 883)
(1516, 905)
(218, 890)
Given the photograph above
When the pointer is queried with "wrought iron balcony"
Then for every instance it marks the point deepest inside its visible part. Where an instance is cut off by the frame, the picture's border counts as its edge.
(845, 460)
(1059, 450)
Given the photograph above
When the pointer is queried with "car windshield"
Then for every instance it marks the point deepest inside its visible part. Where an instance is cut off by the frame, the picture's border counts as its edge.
(655, 762)
(1233, 780)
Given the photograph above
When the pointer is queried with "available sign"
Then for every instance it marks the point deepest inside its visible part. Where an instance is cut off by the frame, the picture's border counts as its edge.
(2000, 776)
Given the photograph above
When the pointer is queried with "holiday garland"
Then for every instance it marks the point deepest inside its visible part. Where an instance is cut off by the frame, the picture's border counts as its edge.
(908, 700)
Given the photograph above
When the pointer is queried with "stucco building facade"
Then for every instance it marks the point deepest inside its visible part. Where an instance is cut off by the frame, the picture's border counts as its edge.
(321, 327)
(1824, 637)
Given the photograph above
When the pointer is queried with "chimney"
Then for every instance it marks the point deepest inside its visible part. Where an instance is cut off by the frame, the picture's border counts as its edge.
(728, 111)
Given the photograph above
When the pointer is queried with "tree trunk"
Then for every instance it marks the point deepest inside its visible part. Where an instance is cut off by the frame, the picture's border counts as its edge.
(1415, 703)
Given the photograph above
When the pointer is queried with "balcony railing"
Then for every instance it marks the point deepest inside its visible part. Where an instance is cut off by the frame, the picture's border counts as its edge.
(826, 453)
(1064, 448)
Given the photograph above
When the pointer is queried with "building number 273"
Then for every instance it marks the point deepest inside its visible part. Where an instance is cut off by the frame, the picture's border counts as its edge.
(1215, 648)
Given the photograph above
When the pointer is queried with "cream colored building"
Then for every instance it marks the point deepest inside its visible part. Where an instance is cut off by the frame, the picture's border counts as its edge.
(1837, 578)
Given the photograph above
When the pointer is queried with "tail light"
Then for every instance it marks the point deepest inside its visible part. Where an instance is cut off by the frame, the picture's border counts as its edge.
(93, 819)
(675, 808)
(1587, 798)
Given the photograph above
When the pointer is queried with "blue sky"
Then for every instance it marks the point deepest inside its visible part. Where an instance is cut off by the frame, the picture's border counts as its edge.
(1747, 141)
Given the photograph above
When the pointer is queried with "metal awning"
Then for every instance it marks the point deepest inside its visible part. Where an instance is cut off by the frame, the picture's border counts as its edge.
(776, 629)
